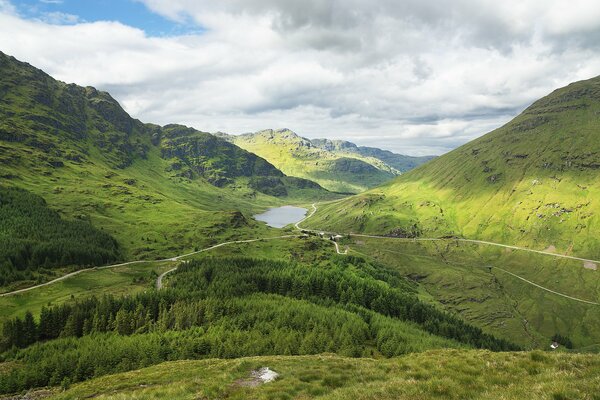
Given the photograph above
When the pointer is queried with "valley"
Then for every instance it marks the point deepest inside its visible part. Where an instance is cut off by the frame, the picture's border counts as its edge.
(136, 257)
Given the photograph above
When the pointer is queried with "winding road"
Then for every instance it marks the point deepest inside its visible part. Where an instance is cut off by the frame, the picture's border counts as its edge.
(297, 225)
(159, 280)
(62, 278)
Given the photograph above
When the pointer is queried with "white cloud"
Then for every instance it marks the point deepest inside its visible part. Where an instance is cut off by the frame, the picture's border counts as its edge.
(410, 75)
(59, 18)
(7, 8)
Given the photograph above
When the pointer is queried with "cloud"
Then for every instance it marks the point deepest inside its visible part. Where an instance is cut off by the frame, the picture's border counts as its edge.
(410, 75)
(59, 18)
(7, 8)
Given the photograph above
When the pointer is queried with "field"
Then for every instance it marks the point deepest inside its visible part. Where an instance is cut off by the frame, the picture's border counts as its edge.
(123, 280)
(440, 374)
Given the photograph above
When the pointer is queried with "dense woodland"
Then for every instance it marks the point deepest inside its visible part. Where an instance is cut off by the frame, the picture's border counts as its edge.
(232, 308)
(34, 238)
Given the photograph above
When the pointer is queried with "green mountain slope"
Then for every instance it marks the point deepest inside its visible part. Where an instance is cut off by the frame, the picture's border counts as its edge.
(532, 182)
(32, 236)
(400, 162)
(157, 190)
(336, 165)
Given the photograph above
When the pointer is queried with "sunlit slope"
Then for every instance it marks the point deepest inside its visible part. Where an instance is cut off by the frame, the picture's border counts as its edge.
(333, 168)
(534, 182)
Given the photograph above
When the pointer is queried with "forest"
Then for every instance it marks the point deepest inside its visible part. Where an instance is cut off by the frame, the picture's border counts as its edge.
(232, 307)
(34, 239)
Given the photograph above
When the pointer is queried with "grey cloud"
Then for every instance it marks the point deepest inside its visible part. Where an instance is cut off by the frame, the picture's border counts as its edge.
(411, 76)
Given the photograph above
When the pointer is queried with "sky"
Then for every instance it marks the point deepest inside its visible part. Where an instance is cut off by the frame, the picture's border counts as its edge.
(416, 77)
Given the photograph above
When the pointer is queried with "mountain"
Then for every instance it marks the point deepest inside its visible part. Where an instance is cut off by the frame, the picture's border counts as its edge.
(532, 182)
(400, 162)
(155, 189)
(336, 165)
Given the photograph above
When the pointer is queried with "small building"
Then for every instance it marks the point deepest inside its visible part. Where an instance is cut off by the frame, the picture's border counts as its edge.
(554, 345)
(337, 237)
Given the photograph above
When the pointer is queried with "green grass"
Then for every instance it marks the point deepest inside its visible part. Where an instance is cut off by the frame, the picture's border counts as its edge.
(123, 280)
(439, 374)
(454, 276)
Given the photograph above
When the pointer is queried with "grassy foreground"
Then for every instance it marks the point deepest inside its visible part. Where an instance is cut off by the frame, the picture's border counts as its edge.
(439, 374)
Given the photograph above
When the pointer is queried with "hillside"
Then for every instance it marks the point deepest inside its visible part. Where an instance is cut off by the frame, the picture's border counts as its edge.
(32, 236)
(336, 165)
(400, 162)
(436, 374)
(156, 190)
(532, 182)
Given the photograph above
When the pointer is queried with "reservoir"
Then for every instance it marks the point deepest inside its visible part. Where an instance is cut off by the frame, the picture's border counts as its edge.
(279, 217)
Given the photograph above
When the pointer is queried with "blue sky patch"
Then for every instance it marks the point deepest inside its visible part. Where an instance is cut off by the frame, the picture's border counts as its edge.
(128, 12)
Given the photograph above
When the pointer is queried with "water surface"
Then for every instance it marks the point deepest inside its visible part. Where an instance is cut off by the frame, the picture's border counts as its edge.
(279, 217)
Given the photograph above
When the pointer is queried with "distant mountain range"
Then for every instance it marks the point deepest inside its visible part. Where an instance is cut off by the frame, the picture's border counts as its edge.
(337, 165)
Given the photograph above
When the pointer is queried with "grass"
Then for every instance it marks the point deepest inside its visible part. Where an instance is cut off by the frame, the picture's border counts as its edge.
(455, 276)
(123, 280)
(438, 374)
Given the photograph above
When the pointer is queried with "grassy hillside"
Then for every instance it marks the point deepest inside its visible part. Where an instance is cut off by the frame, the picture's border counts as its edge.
(474, 281)
(34, 239)
(532, 182)
(440, 374)
(156, 190)
(400, 162)
(338, 169)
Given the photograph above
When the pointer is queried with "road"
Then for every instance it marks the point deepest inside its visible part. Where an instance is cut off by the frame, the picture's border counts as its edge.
(337, 248)
(159, 280)
(297, 225)
(546, 289)
(68, 276)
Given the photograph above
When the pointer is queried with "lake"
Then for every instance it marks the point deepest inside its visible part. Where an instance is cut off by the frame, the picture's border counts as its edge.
(279, 217)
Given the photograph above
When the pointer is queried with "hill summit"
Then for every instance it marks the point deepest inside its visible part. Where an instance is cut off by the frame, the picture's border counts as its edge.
(337, 165)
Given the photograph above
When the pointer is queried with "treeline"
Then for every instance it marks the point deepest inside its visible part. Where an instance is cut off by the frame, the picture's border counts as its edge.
(35, 238)
(351, 281)
(128, 333)
(232, 308)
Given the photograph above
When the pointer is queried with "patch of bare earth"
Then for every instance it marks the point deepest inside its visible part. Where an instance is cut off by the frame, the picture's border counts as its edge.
(551, 249)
